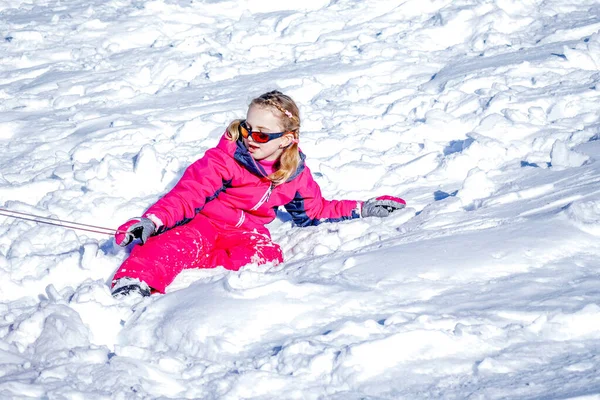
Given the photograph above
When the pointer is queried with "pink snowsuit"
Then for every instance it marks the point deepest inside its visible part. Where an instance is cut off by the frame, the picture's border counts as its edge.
(217, 212)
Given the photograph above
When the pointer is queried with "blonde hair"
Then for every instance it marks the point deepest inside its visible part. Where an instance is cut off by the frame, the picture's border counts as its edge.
(290, 121)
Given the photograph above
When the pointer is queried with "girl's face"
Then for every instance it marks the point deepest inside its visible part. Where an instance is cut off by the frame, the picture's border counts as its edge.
(262, 119)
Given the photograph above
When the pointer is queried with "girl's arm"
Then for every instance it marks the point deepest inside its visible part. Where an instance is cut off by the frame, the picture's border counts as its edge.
(201, 182)
(310, 208)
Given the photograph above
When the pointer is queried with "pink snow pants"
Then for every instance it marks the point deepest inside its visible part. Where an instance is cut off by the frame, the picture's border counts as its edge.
(197, 244)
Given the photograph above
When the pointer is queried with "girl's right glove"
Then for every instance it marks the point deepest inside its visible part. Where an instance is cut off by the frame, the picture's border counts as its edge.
(381, 206)
(137, 228)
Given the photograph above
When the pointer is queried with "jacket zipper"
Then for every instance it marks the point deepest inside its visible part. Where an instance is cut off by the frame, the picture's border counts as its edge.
(263, 199)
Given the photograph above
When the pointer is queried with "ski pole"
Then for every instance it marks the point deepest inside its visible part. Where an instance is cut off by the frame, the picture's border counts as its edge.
(58, 222)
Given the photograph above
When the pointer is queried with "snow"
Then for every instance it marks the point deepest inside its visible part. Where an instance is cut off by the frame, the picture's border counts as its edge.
(483, 116)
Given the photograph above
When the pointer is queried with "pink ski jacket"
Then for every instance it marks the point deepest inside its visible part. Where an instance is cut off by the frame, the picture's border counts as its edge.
(230, 187)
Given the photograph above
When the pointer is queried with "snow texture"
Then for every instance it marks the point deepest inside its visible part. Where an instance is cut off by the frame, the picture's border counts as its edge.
(483, 115)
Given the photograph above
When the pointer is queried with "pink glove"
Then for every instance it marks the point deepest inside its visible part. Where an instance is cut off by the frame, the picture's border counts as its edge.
(137, 228)
(381, 206)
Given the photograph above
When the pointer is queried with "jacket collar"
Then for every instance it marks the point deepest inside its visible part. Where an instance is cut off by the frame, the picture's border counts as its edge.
(240, 153)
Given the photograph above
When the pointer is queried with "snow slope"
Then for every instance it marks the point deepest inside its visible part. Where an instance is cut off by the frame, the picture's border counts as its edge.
(483, 115)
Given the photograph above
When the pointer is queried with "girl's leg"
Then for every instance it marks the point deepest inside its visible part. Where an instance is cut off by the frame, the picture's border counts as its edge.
(162, 257)
(234, 249)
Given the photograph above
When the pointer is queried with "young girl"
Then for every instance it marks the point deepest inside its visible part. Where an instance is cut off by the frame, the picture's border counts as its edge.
(217, 212)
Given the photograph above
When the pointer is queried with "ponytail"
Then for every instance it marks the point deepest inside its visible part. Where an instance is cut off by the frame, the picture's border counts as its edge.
(288, 164)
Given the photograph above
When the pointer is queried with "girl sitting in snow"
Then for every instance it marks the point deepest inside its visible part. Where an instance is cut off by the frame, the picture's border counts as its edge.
(217, 212)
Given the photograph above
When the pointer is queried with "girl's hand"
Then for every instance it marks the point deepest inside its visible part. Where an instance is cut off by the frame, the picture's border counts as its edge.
(381, 206)
(137, 228)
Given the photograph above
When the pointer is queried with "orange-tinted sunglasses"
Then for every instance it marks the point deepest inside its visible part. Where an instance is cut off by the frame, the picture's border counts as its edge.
(258, 137)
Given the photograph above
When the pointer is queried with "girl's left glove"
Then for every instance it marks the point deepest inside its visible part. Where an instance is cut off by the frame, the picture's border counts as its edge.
(138, 228)
(381, 206)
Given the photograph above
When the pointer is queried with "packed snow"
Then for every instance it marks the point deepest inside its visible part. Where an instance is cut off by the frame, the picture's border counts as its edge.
(483, 115)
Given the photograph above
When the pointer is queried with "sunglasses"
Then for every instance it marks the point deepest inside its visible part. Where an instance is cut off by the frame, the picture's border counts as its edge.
(258, 137)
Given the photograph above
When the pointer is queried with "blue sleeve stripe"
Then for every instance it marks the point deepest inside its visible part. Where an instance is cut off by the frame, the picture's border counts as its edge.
(298, 212)
(223, 188)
